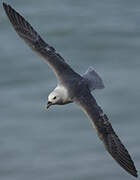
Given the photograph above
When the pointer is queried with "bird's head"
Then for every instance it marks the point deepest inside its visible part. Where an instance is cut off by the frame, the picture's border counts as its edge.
(53, 98)
(57, 96)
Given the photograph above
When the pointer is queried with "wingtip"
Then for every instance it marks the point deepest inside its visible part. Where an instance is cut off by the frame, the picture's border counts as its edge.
(4, 4)
(136, 174)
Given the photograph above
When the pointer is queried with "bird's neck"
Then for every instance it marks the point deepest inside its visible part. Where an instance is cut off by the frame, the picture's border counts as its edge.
(63, 93)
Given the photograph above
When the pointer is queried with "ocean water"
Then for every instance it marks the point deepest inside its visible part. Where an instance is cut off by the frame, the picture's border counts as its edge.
(60, 143)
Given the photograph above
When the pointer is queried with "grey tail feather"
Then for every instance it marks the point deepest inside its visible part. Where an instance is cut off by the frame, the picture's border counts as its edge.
(93, 79)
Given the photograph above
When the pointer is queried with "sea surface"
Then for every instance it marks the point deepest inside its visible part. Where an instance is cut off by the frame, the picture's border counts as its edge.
(60, 143)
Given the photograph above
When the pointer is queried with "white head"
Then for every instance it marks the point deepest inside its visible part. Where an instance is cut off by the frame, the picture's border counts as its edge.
(57, 96)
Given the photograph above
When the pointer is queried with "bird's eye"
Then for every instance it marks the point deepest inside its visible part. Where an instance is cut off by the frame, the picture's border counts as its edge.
(54, 97)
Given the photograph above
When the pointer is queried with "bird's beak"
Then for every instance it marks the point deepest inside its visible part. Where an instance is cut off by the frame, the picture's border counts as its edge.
(48, 104)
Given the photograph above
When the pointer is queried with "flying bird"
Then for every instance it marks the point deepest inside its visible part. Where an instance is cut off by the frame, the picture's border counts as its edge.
(73, 87)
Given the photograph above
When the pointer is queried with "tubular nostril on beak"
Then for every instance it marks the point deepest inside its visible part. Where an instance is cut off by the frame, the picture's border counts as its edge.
(48, 104)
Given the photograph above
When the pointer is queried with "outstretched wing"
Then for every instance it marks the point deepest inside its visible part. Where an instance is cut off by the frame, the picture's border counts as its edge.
(106, 133)
(33, 39)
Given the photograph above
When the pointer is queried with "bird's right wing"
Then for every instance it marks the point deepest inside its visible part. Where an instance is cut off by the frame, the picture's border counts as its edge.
(105, 132)
(33, 39)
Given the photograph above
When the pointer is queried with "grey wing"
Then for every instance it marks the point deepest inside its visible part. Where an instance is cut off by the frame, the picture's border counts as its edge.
(33, 39)
(106, 133)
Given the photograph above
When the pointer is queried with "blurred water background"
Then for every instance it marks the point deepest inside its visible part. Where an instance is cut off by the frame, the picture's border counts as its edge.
(60, 144)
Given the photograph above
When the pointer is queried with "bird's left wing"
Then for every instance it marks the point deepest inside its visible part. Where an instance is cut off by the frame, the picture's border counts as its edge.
(34, 40)
(106, 133)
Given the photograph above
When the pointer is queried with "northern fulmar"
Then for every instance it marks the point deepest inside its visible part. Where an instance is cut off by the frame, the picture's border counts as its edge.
(73, 87)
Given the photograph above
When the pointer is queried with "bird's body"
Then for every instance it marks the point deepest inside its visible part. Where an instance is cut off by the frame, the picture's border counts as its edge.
(73, 87)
